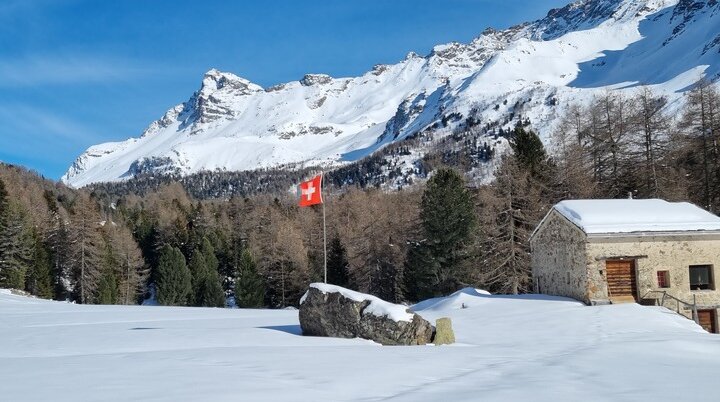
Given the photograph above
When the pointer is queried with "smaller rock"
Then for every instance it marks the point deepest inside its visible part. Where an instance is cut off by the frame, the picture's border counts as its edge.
(444, 334)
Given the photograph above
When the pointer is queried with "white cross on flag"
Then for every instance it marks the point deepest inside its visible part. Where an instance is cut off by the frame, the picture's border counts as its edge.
(310, 192)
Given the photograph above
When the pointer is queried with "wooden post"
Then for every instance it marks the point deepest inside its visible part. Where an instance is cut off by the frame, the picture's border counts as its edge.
(322, 184)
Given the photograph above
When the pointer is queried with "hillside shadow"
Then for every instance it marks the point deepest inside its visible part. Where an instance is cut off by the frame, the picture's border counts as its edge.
(662, 54)
(288, 329)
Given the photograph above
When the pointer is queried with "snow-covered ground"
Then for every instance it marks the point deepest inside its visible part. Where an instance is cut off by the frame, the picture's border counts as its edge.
(509, 348)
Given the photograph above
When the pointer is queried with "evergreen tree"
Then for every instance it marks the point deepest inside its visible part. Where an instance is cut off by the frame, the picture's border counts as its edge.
(448, 218)
(198, 272)
(59, 241)
(529, 150)
(15, 247)
(207, 289)
(421, 268)
(385, 279)
(249, 285)
(211, 292)
(208, 252)
(107, 288)
(173, 282)
(40, 276)
(4, 201)
(337, 263)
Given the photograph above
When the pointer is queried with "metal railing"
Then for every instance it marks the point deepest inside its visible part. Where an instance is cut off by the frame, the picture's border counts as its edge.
(666, 295)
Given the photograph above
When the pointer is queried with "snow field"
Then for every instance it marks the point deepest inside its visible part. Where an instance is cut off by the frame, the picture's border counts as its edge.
(509, 348)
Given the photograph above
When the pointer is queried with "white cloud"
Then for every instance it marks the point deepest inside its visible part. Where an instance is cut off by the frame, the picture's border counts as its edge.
(62, 69)
(19, 120)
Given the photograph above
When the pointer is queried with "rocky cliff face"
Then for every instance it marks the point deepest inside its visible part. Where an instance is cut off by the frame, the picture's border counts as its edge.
(530, 71)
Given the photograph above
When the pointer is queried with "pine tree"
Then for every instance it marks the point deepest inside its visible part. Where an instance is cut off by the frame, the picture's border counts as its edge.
(15, 247)
(206, 285)
(211, 291)
(40, 276)
(529, 150)
(385, 279)
(173, 282)
(421, 268)
(448, 218)
(4, 201)
(198, 272)
(337, 263)
(249, 285)
(60, 245)
(107, 292)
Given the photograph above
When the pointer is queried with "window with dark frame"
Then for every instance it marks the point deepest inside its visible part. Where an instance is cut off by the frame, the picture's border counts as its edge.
(701, 277)
(663, 279)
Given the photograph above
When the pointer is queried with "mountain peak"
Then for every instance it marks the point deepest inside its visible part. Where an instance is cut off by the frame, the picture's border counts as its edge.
(215, 79)
(315, 79)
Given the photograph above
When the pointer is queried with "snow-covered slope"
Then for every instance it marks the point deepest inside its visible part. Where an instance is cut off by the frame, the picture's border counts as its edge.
(576, 51)
(509, 349)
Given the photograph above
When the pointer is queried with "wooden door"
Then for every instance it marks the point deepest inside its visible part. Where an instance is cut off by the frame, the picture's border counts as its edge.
(708, 320)
(622, 283)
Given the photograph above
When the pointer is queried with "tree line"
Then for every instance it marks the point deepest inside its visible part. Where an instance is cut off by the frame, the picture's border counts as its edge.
(426, 240)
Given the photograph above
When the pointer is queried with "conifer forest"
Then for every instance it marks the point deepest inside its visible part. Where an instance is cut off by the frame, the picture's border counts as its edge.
(170, 242)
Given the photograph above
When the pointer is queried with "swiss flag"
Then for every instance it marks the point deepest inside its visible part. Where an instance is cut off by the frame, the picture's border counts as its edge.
(311, 192)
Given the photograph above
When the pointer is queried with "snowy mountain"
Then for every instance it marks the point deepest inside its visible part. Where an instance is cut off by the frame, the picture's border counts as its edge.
(533, 70)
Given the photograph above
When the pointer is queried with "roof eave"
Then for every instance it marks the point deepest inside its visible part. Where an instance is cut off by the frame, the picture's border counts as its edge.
(655, 233)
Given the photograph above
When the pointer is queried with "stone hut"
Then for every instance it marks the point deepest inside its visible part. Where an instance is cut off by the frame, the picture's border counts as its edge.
(646, 251)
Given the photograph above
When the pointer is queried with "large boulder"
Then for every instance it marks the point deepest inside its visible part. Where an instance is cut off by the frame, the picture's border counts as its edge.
(333, 311)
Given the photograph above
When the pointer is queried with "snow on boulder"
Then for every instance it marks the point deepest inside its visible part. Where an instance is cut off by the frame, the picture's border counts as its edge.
(333, 311)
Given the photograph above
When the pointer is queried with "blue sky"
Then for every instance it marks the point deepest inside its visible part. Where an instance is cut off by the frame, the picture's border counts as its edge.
(75, 73)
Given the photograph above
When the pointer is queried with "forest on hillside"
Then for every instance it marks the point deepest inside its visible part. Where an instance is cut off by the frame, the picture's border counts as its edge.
(426, 239)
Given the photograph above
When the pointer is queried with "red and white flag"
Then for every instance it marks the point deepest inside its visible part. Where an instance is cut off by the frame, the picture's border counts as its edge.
(310, 192)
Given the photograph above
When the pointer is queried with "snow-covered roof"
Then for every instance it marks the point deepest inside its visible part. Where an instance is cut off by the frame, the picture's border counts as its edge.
(632, 216)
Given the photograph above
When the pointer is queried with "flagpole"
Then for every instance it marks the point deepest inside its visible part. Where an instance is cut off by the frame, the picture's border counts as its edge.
(322, 177)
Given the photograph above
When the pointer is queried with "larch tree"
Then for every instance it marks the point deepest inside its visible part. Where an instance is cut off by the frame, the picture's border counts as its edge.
(650, 136)
(521, 193)
(85, 252)
(132, 270)
(701, 123)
